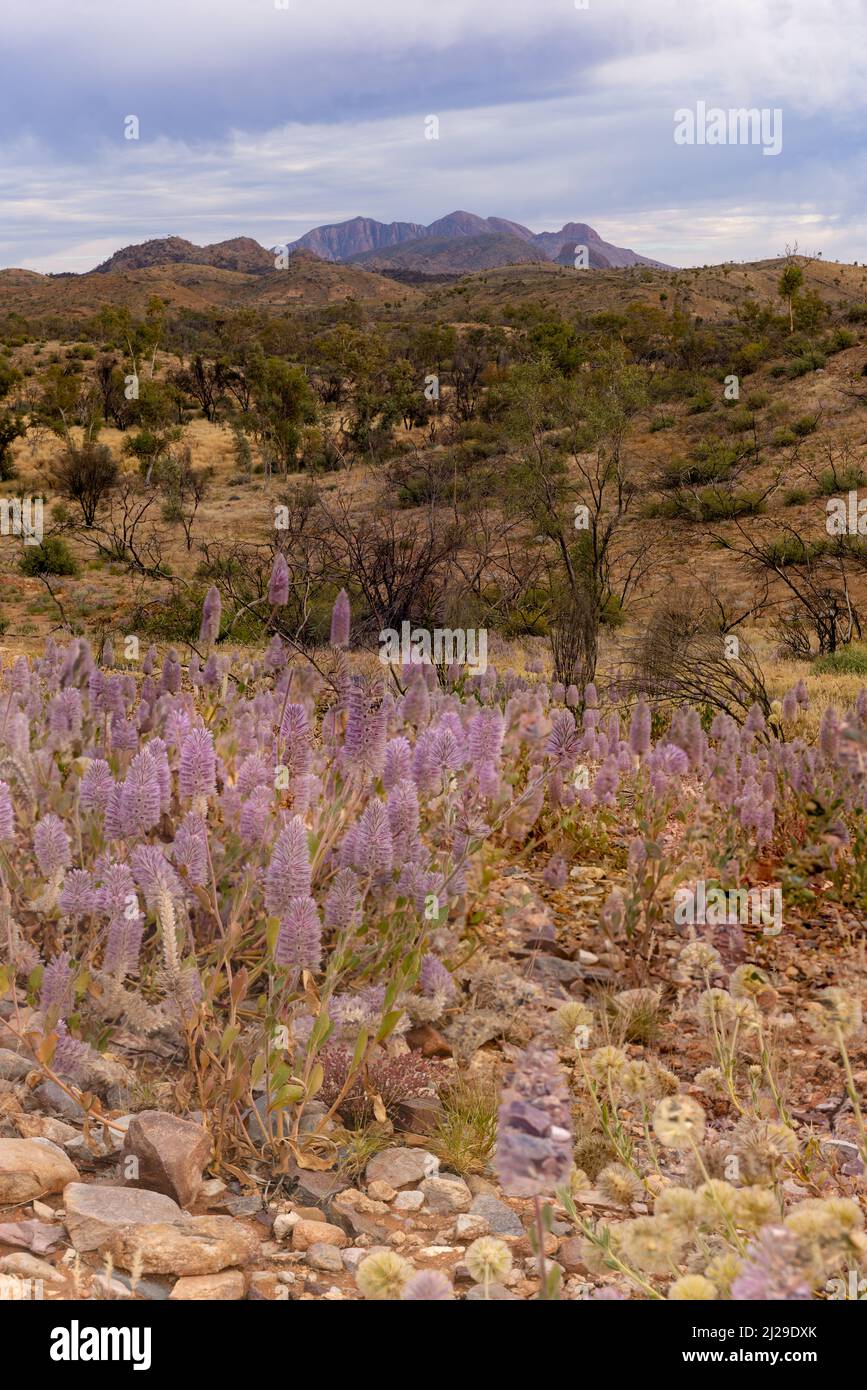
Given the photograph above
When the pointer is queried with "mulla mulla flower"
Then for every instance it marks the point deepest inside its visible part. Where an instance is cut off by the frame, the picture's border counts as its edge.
(278, 584)
(489, 1260)
(428, 1286)
(197, 773)
(341, 618)
(289, 874)
(211, 611)
(678, 1122)
(383, 1276)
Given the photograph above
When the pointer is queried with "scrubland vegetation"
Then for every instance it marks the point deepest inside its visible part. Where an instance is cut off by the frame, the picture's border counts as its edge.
(534, 977)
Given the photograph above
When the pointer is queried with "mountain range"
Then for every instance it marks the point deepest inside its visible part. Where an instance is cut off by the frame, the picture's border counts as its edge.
(457, 244)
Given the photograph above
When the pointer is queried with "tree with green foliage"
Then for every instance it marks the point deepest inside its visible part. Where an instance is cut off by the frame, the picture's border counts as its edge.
(791, 281)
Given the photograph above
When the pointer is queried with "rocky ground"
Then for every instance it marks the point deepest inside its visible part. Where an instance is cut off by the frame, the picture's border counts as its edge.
(131, 1208)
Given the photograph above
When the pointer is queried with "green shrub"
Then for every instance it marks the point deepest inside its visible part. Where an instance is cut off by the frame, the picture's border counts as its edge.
(784, 438)
(839, 340)
(661, 422)
(851, 661)
(795, 497)
(834, 481)
(712, 462)
(52, 556)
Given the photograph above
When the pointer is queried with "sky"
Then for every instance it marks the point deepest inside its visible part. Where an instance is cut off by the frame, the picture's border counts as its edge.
(265, 118)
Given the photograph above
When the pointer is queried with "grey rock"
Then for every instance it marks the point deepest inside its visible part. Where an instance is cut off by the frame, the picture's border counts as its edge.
(326, 1257)
(94, 1212)
(165, 1154)
(501, 1220)
(14, 1067)
(402, 1167)
(54, 1099)
(446, 1195)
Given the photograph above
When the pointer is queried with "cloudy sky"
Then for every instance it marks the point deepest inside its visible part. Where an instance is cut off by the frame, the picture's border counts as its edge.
(265, 121)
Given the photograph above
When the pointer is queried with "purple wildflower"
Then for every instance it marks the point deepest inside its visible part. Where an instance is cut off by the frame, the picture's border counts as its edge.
(7, 817)
(774, 1269)
(299, 940)
(278, 585)
(341, 617)
(211, 612)
(51, 845)
(197, 772)
(288, 875)
(56, 996)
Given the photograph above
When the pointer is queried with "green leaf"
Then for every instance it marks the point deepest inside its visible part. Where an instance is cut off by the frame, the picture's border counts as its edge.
(388, 1025)
(360, 1049)
(320, 1031)
(287, 1095)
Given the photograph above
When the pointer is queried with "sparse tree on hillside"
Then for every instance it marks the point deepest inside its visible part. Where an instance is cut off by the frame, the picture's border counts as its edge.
(85, 473)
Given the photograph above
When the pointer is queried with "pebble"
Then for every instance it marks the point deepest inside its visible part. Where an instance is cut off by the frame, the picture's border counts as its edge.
(325, 1257)
(401, 1167)
(307, 1233)
(446, 1195)
(225, 1287)
(501, 1219)
(413, 1200)
(31, 1168)
(94, 1212)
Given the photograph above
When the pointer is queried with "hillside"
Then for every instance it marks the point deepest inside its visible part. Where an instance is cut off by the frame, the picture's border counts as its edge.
(305, 281)
(241, 254)
(437, 255)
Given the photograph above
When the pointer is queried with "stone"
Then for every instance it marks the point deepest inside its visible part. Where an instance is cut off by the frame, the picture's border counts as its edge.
(190, 1245)
(44, 1127)
(418, 1114)
(468, 1227)
(26, 1266)
(326, 1257)
(317, 1187)
(14, 1067)
(307, 1233)
(264, 1285)
(31, 1168)
(154, 1290)
(501, 1219)
(358, 1201)
(411, 1200)
(495, 1293)
(105, 1287)
(52, 1097)
(571, 1255)
(523, 1248)
(309, 1213)
(94, 1211)
(227, 1287)
(164, 1153)
(35, 1236)
(380, 1191)
(402, 1167)
(446, 1195)
(352, 1257)
(282, 1228)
